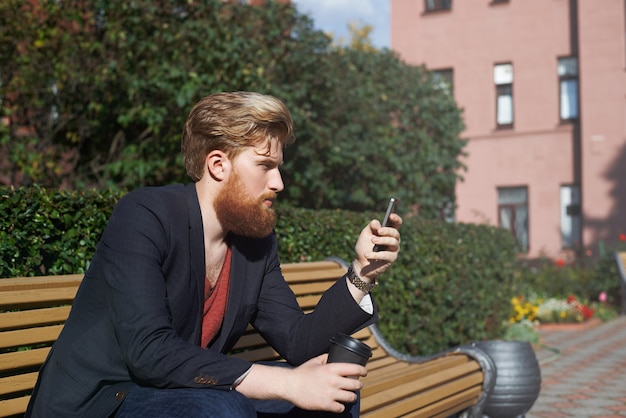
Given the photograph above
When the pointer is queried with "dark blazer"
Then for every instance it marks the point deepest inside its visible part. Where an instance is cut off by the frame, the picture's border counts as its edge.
(137, 316)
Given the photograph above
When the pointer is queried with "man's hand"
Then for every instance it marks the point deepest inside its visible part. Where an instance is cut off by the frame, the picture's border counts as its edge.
(315, 385)
(369, 264)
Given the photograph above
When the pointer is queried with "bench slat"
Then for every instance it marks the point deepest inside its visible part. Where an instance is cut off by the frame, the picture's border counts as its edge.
(309, 288)
(427, 376)
(385, 403)
(14, 406)
(40, 282)
(17, 383)
(23, 359)
(446, 407)
(30, 336)
(33, 297)
(34, 317)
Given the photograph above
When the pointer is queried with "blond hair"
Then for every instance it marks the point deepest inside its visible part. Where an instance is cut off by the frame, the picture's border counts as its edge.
(230, 122)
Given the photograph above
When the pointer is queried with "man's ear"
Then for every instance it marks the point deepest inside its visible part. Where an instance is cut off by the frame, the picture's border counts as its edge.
(218, 165)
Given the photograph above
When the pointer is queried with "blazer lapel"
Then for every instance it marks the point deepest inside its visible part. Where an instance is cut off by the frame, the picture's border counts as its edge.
(238, 273)
(196, 243)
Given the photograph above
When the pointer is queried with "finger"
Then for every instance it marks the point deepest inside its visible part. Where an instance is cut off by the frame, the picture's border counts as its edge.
(347, 396)
(396, 220)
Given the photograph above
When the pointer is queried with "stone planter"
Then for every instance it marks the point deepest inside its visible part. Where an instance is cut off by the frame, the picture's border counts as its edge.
(518, 378)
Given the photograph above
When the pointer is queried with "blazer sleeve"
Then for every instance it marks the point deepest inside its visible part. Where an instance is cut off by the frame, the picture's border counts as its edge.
(299, 337)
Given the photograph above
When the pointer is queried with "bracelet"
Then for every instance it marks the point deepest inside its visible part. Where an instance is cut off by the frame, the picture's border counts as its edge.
(358, 283)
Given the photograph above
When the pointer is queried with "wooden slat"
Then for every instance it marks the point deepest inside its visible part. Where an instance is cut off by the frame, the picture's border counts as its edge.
(427, 375)
(14, 406)
(308, 288)
(13, 298)
(308, 302)
(30, 336)
(385, 403)
(446, 407)
(22, 359)
(40, 282)
(34, 317)
(17, 383)
(312, 271)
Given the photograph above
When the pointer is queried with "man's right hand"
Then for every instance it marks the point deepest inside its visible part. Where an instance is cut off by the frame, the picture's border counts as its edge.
(315, 385)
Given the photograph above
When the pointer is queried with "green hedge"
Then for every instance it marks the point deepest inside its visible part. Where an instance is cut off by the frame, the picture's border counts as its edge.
(46, 232)
(451, 284)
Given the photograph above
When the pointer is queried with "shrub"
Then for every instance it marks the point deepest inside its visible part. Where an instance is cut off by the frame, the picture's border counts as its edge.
(451, 284)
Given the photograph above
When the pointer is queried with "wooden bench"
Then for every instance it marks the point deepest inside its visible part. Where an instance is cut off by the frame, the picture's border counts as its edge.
(620, 258)
(33, 310)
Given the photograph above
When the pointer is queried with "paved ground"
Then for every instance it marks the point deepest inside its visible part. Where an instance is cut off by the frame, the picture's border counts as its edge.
(583, 372)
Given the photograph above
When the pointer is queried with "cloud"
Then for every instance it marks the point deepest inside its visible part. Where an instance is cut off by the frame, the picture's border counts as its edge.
(333, 16)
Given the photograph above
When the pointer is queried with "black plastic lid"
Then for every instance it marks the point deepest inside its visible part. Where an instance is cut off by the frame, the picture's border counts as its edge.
(352, 344)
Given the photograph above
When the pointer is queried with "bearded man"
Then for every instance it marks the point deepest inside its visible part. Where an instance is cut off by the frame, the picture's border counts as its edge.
(180, 272)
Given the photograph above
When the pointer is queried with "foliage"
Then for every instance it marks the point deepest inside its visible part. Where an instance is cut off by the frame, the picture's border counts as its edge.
(379, 138)
(96, 93)
(44, 232)
(450, 286)
(589, 278)
(524, 330)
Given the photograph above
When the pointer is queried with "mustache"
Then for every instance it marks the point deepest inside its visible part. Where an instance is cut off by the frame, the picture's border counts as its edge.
(268, 196)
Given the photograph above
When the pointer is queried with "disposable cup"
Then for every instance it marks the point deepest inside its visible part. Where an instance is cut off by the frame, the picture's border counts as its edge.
(346, 349)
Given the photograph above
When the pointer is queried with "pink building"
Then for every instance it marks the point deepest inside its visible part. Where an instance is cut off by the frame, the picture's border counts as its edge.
(542, 84)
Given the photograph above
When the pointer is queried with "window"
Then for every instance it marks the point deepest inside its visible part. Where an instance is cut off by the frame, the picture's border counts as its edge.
(443, 79)
(503, 79)
(568, 85)
(513, 213)
(432, 5)
(570, 216)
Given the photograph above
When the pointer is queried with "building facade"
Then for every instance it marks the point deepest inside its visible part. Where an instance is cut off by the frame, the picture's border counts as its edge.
(542, 84)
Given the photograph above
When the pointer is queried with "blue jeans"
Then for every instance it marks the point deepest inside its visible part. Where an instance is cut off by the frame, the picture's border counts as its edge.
(152, 402)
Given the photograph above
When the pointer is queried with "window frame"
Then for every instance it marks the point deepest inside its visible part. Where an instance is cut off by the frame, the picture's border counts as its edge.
(514, 213)
(504, 89)
(444, 79)
(564, 78)
(571, 218)
(431, 6)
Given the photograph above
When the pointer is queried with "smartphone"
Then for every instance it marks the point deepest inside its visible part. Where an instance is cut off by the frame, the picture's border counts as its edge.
(391, 208)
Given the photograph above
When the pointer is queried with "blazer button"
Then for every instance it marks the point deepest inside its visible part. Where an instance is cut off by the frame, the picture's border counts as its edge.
(120, 395)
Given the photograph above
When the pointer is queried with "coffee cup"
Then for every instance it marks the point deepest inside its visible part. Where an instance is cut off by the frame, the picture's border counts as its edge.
(346, 349)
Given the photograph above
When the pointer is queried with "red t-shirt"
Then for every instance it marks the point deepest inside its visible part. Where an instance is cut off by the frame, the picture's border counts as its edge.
(215, 302)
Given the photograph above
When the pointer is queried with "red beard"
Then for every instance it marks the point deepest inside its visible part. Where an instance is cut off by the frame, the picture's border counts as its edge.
(242, 214)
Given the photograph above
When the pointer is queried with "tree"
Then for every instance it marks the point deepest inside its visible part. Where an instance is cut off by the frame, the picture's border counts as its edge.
(95, 93)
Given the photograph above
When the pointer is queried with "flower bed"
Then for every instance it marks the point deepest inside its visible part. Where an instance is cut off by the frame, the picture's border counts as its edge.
(552, 310)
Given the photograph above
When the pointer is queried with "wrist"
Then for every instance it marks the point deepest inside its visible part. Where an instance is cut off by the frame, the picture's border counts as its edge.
(353, 275)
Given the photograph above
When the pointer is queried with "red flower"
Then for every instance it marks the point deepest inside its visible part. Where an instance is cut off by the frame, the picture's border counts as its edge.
(622, 237)
(560, 262)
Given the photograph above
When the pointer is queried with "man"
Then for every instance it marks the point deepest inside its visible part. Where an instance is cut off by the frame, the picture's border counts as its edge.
(179, 273)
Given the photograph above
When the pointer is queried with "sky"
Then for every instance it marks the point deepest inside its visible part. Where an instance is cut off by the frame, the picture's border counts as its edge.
(333, 16)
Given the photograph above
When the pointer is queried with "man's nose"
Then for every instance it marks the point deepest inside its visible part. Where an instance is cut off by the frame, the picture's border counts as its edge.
(276, 181)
